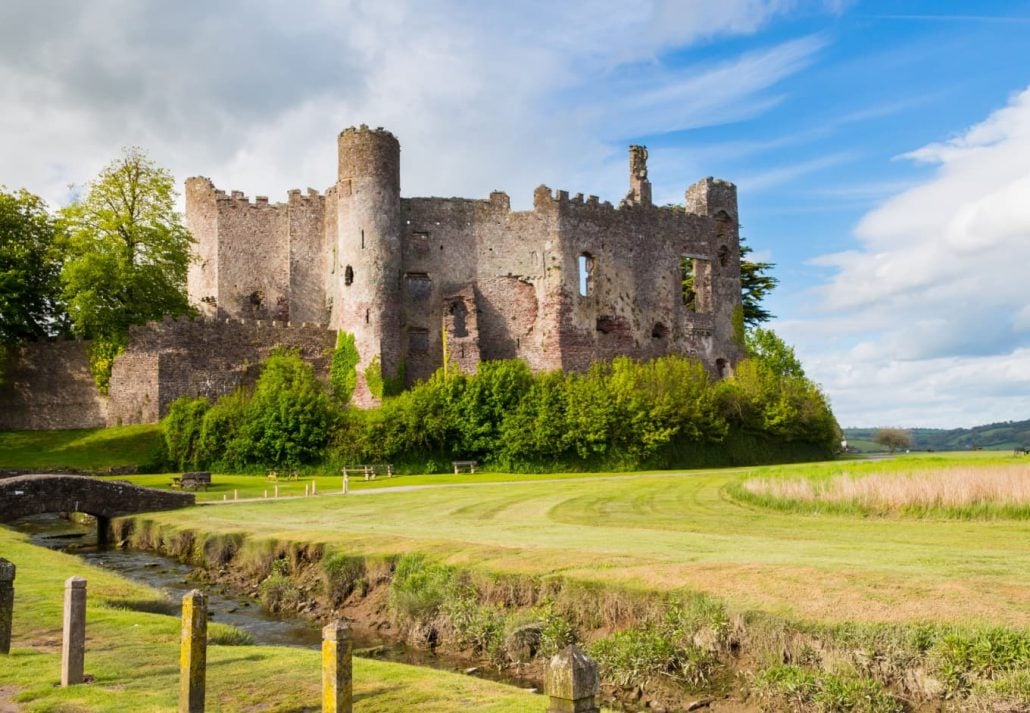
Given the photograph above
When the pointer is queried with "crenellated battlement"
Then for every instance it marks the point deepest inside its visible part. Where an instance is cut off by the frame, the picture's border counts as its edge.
(573, 280)
(363, 129)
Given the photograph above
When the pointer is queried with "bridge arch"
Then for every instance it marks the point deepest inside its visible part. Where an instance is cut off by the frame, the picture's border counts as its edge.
(24, 495)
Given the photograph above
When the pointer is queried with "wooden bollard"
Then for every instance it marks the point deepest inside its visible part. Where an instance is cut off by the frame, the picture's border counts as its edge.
(73, 647)
(346, 482)
(193, 652)
(6, 604)
(572, 682)
(314, 487)
(277, 491)
(337, 647)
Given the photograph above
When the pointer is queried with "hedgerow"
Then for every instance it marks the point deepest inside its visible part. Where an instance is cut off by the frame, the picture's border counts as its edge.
(664, 413)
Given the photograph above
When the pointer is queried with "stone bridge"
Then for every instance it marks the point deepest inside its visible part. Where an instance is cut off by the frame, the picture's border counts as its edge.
(104, 499)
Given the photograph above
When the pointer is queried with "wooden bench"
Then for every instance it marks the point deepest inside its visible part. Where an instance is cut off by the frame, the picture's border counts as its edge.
(192, 481)
(464, 465)
(369, 470)
(274, 475)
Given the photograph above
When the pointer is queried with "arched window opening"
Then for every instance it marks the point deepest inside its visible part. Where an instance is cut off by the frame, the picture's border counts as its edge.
(722, 368)
(586, 274)
(687, 283)
(724, 256)
(696, 283)
(659, 331)
(348, 276)
(459, 312)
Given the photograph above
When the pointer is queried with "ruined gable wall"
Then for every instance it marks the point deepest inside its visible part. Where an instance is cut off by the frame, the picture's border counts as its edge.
(439, 260)
(49, 386)
(450, 244)
(516, 284)
(635, 304)
(173, 358)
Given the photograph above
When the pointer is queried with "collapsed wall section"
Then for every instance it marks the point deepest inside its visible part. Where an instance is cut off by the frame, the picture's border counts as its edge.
(643, 281)
(173, 358)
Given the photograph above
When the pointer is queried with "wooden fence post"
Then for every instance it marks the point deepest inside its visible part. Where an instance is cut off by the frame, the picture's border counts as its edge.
(6, 604)
(73, 648)
(193, 652)
(572, 682)
(337, 692)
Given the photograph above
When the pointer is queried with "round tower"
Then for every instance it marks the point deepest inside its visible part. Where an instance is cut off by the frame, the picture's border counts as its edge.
(366, 301)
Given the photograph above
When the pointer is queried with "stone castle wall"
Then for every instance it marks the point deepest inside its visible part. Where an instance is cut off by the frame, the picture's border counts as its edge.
(166, 360)
(256, 260)
(48, 386)
(401, 273)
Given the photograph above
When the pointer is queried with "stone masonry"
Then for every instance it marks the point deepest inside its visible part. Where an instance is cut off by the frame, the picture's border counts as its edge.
(571, 281)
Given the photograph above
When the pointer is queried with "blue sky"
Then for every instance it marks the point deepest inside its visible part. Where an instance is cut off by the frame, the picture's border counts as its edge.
(881, 149)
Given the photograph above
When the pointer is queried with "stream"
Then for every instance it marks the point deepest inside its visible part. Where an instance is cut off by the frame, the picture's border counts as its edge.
(174, 579)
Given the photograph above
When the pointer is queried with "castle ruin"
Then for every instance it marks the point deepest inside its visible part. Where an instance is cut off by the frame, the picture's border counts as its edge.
(563, 285)
(417, 281)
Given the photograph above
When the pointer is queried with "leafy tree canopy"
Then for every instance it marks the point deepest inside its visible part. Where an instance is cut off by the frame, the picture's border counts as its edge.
(766, 346)
(30, 266)
(892, 438)
(126, 250)
(126, 253)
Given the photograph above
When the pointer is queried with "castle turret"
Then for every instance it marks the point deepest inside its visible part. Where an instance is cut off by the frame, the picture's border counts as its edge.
(366, 300)
(639, 186)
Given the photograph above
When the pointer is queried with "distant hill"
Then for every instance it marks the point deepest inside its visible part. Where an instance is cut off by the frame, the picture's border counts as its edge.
(993, 436)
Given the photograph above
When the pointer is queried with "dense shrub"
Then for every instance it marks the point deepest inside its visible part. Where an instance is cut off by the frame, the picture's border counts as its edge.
(665, 413)
(290, 417)
(221, 433)
(182, 428)
(668, 412)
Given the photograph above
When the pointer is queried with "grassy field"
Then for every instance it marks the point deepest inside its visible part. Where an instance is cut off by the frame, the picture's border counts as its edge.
(675, 531)
(133, 657)
(95, 449)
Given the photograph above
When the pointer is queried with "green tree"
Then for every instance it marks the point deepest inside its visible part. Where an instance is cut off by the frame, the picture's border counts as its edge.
(290, 417)
(892, 438)
(30, 268)
(755, 285)
(766, 346)
(126, 254)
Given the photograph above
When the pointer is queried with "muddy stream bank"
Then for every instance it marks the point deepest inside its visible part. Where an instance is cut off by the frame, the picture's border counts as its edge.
(227, 606)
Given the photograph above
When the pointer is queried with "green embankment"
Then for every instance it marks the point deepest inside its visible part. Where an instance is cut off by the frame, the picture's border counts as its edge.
(91, 450)
(133, 657)
(667, 532)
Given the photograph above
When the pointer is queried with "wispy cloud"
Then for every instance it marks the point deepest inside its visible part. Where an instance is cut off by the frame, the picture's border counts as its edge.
(254, 99)
(938, 288)
(765, 180)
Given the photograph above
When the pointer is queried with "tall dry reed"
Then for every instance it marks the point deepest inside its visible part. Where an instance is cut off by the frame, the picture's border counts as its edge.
(951, 488)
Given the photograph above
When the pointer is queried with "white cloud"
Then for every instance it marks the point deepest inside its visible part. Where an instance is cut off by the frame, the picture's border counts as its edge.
(253, 94)
(939, 290)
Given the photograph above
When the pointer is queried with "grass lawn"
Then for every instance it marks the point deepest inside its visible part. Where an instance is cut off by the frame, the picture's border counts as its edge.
(134, 658)
(669, 531)
(94, 449)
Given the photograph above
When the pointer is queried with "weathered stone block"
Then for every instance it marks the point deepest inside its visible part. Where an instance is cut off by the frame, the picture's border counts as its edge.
(337, 677)
(73, 649)
(572, 682)
(193, 653)
(6, 604)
